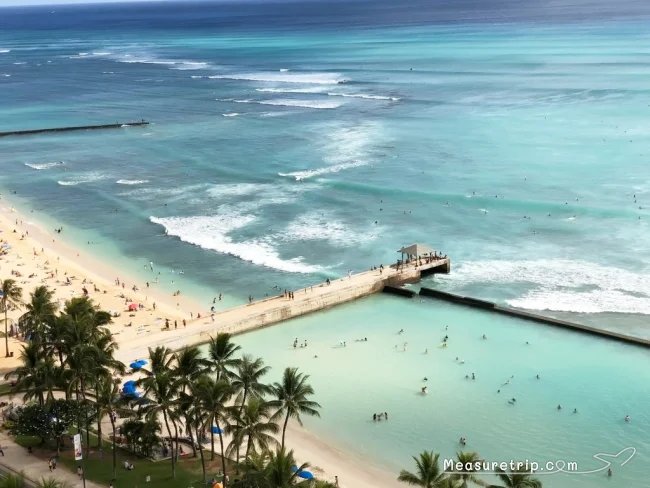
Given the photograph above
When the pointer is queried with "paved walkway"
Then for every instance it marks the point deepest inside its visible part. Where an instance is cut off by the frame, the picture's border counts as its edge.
(17, 459)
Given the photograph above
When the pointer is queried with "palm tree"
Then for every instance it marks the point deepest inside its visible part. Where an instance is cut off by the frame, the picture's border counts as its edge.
(38, 376)
(428, 475)
(466, 474)
(10, 296)
(41, 313)
(196, 419)
(52, 483)
(13, 481)
(255, 426)
(188, 367)
(213, 396)
(280, 469)
(221, 354)
(292, 398)
(246, 379)
(517, 478)
(161, 360)
(109, 401)
(161, 389)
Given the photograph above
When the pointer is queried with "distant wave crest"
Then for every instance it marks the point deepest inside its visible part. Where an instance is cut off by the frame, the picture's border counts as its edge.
(288, 102)
(310, 173)
(83, 178)
(285, 77)
(42, 166)
(131, 182)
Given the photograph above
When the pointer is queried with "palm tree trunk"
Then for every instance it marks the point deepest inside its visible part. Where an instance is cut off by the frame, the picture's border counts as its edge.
(241, 409)
(212, 441)
(176, 439)
(6, 333)
(99, 428)
(223, 454)
(190, 432)
(114, 449)
(171, 444)
(198, 437)
(248, 447)
(284, 428)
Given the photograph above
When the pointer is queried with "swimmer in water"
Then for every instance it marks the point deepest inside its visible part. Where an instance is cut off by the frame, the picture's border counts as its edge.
(559, 407)
(424, 390)
(627, 418)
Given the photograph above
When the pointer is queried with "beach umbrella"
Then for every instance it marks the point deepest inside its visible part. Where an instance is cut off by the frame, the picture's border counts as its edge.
(136, 365)
(142, 361)
(216, 430)
(306, 475)
(133, 307)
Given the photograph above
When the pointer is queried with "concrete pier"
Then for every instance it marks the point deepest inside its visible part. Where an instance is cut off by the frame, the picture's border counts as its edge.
(29, 132)
(271, 310)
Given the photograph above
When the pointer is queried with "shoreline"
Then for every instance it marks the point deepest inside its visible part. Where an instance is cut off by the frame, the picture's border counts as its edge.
(43, 258)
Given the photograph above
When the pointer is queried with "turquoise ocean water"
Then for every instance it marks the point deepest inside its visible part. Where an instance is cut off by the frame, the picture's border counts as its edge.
(291, 142)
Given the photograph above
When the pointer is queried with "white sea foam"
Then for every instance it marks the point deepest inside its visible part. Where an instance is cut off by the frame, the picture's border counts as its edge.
(191, 65)
(239, 189)
(144, 58)
(313, 89)
(6, 75)
(364, 96)
(4, 51)
(83, 178)
(213, 232)
(231, 114)
(283, 70)
(176, 193)
(288, 102)
(316, 226)
(131, 182)
(42, 166)
(310, 173)
(343, 148)
(20, 63)
(562, 285)
(285, 77)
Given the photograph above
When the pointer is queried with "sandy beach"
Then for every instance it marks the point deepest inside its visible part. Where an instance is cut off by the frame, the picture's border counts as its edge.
(36, 256)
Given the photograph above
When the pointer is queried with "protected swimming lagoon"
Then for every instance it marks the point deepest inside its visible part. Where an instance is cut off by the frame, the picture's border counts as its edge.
(602, 379)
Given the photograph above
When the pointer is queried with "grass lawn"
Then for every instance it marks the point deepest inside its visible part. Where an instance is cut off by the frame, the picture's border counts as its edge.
(99, 466)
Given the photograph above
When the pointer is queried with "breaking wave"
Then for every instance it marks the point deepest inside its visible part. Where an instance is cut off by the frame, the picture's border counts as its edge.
(213, 232)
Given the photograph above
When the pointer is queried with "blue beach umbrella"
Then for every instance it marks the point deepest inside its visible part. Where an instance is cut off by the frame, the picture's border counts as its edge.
(135, 365)
(216, 430)
(306, 475)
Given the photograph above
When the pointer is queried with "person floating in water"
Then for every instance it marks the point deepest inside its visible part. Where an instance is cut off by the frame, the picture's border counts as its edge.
(559, 407)
(424, 390)
(627, 418)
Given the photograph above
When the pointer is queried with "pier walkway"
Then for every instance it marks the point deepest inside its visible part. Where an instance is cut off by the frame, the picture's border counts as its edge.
(278, 308)
(29, 132)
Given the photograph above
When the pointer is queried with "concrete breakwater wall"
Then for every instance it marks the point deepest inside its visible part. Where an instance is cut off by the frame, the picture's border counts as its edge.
(29, 132)
(512, 312)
